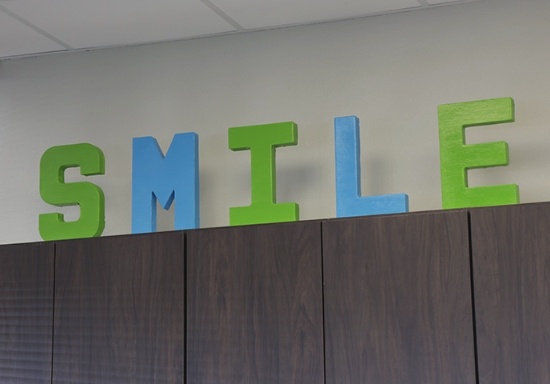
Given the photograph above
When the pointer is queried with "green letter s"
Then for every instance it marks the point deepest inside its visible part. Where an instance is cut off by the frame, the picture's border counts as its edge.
(55, 191)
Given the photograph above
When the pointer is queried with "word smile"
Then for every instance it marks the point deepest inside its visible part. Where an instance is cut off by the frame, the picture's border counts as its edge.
(175, 176)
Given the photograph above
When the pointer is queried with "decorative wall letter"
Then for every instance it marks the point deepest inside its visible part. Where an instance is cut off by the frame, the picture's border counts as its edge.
(175, 176)
(262, 141)
(348, 176)
(457, 157)
(55, 191)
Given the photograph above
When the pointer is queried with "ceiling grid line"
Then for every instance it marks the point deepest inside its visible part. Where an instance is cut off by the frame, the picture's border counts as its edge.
(223, 15)
(34, 27)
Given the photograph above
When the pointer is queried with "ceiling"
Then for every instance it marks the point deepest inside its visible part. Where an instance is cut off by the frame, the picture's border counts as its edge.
(31, 27)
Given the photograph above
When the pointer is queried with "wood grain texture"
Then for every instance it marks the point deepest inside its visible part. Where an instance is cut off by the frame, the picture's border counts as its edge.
(119, 310)
(26, 313)
(511, 259)
(398, 300)
(255, 305)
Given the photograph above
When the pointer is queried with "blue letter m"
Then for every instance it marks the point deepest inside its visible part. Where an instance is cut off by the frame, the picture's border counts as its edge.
(165, 178)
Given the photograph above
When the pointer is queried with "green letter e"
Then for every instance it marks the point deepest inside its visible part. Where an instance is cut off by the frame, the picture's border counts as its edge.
(55, 191)
(457, 157)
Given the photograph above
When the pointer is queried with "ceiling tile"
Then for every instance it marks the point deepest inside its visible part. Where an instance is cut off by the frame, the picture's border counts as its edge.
(266, 13)
(95, 23)
(18, 39)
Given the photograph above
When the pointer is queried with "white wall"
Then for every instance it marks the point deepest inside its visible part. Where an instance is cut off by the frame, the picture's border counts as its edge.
(391, 71)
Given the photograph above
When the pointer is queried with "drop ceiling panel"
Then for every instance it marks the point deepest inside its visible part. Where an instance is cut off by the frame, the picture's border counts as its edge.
(267, 13)
(96, 23)
(18, 39)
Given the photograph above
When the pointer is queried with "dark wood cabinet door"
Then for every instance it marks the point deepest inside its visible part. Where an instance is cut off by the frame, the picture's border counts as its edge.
(511, 260)
(398, 306)
(255, 305)
(26, 313)
(119, 310)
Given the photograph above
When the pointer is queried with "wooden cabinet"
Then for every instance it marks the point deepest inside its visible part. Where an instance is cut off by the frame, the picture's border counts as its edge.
(255, 305)
(26, 311)
(398, 300)
(511, 263)
(119, 310)
(384, 299)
